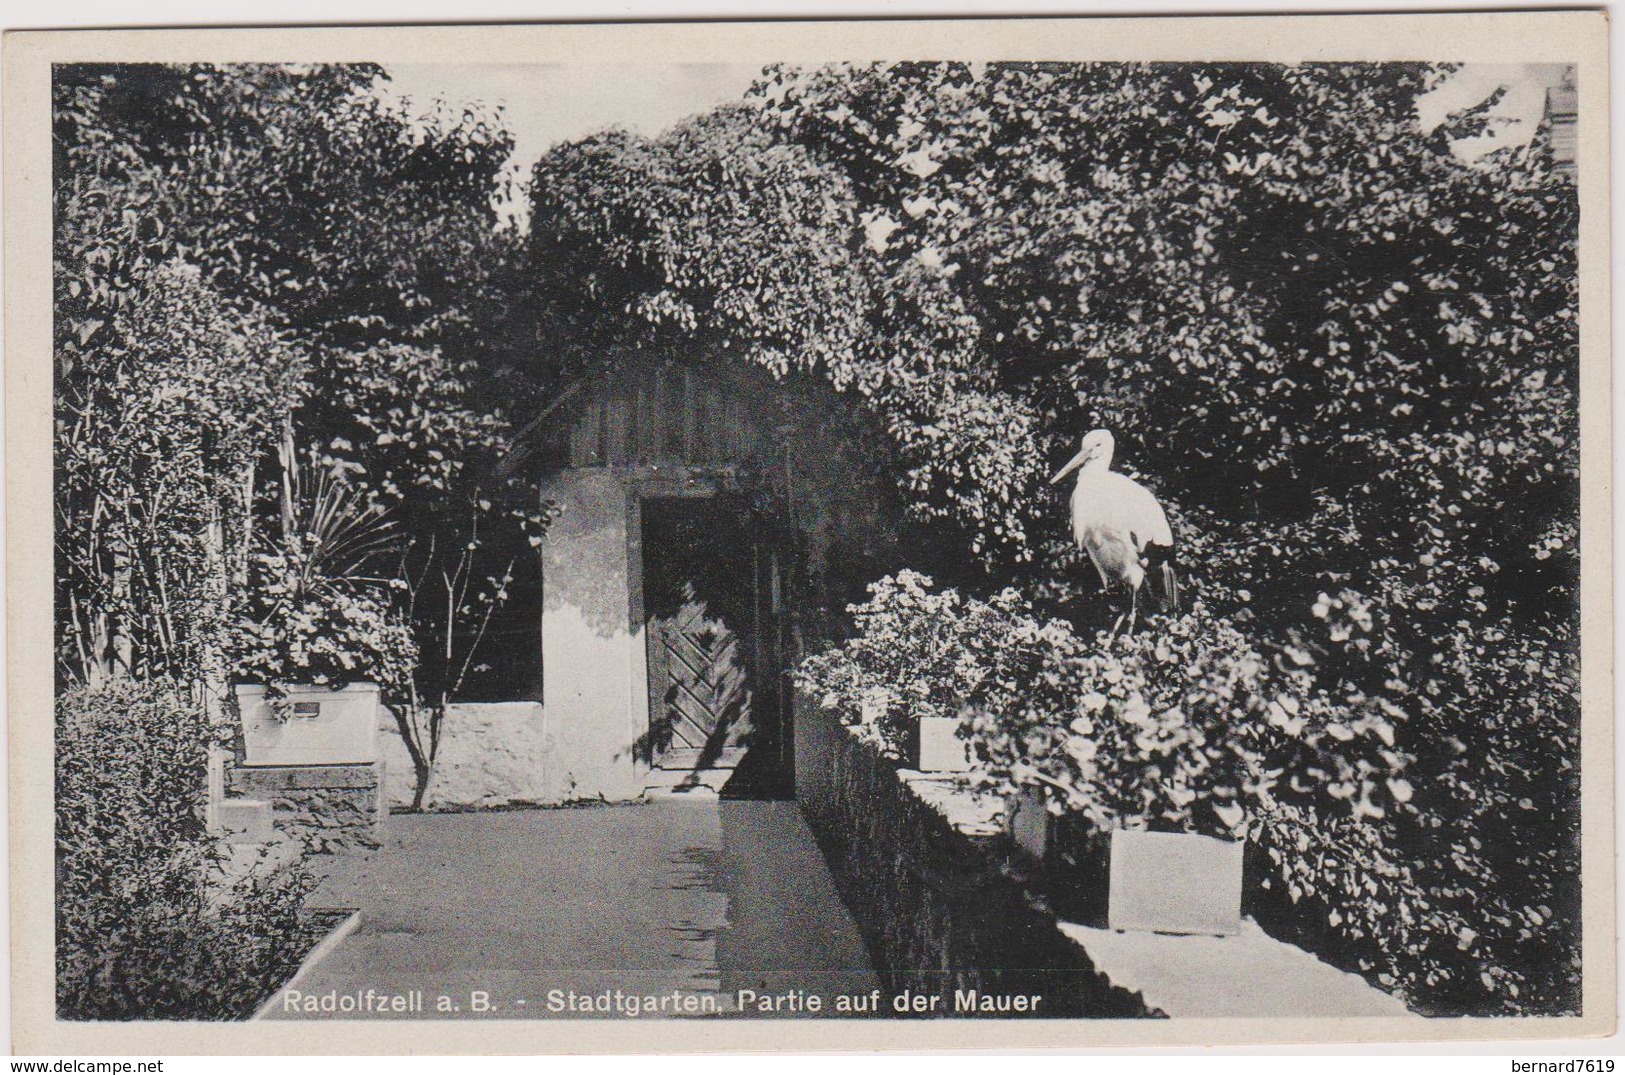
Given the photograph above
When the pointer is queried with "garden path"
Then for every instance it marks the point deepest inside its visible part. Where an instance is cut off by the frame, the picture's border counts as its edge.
(687, 893)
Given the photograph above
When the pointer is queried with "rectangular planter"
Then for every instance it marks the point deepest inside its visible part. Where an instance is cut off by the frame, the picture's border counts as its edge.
(1175, 882)
(934, 746)
(1159, 882)
(322, 727)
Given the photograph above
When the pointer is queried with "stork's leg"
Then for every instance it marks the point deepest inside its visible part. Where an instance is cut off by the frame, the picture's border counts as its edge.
(1117, 624)
(1126, 617)
(1133, 607)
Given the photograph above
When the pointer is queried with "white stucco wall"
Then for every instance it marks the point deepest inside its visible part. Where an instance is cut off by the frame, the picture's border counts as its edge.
(594, 667)
(587, 743)
(491, 754)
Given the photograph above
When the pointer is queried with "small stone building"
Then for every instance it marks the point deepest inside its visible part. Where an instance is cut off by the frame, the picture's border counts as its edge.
(707, 517)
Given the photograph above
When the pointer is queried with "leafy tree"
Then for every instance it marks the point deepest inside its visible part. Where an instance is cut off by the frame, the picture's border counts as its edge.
(1345, 358)
(314, 219)
(296, 187)
(1351, 359)
(320, 266)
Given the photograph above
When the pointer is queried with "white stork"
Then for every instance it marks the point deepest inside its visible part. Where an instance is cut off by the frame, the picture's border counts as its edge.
(1119, 524)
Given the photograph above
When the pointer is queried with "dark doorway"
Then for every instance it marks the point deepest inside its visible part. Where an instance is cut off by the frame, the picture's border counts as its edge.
(711, 588)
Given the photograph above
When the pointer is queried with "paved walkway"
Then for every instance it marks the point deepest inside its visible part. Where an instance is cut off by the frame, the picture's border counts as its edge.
(691, 894)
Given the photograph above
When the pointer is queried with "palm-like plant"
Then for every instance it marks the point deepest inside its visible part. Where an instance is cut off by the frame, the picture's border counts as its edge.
(332, 531)
(321, 612)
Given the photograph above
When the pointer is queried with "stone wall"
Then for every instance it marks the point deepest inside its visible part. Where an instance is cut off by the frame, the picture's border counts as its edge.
(944, 901)
(333, 807)
(492, 754)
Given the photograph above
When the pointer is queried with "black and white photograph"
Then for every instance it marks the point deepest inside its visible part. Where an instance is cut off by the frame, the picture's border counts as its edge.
(962, 541)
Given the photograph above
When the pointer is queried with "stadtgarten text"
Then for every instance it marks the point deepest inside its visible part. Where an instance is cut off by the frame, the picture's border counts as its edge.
(631, 1004)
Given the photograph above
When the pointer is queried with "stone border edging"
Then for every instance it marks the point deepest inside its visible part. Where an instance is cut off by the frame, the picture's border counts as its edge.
(323, 949)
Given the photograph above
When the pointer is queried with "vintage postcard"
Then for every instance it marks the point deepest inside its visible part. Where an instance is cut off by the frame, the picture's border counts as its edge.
(913, 534)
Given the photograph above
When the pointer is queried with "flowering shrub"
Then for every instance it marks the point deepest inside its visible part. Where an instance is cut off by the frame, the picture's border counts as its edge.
(1384, 842)
(314, 613)
(1189, 728)
(330, 635)
(917, 652)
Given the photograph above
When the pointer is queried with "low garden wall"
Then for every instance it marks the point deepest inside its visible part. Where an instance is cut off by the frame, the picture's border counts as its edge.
(332, 807)
(492, 754)
(945, 904)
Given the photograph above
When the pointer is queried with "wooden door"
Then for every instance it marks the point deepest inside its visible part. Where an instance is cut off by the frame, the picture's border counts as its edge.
(712, 652)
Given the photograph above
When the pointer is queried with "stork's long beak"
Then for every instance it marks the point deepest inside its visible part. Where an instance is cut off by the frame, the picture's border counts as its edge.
(1077, 461)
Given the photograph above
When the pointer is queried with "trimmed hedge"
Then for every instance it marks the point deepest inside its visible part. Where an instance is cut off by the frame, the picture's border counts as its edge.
(149, 923)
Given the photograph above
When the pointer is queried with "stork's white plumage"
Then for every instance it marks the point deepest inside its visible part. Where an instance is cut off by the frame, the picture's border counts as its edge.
(1119, 524)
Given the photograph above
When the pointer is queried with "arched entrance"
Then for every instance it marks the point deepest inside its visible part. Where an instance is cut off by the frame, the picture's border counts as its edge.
(705, 517)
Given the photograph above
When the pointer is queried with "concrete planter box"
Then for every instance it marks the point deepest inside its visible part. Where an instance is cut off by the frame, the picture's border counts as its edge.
(323, 726)
(934, 746)
(1159, 882)
(1175, 882)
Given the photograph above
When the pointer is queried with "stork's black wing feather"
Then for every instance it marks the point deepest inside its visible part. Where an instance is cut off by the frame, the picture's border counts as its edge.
(1159, 565)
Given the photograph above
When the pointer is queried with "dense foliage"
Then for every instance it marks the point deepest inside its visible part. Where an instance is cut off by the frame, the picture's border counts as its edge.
(267, 277)
(1196, 727)
(271, 289)
(1343, 358)
(1189, 728)
(151, 923)
(267, 261)
(1272, 268)
(155, 430)
(723, 232)
(1346, 360)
